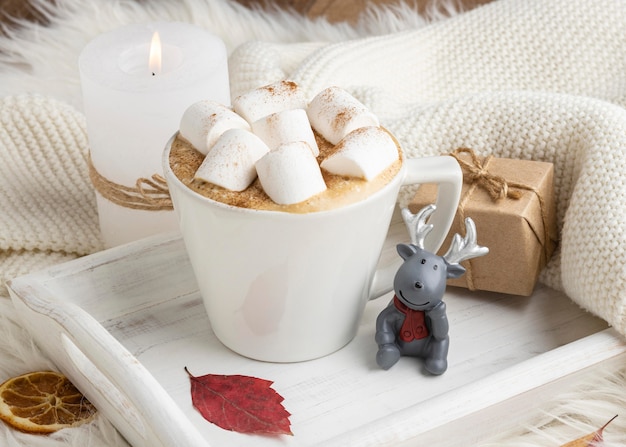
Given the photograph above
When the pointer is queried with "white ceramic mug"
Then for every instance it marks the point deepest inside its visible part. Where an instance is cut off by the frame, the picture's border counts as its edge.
(286, 287)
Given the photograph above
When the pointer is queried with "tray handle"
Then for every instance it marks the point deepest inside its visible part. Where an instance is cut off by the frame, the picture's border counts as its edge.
(104, 388)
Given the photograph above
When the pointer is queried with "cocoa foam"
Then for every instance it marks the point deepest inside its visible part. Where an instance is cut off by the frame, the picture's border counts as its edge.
(341, 191)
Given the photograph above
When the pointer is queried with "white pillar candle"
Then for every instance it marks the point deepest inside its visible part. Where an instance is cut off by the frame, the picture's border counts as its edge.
(133, 105)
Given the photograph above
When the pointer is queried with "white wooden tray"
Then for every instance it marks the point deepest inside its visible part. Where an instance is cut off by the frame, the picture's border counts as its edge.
(123, 324)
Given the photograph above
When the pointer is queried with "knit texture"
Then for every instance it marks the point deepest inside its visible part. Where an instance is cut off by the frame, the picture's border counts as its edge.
(558, 46)
(47, 202)
(526, 79)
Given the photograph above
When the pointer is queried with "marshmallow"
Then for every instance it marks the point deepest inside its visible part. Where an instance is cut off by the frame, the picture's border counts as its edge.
(334, 113)
(204, 122)
(290, 173)
(364, 153)
(273, 98)
(230, 164)
(287, 126)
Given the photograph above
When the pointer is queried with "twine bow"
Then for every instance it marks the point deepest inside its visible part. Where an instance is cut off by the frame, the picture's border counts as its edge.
(476, 172)
(149, 194)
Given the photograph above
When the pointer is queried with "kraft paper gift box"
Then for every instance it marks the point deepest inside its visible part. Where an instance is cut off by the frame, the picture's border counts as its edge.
(512, 204)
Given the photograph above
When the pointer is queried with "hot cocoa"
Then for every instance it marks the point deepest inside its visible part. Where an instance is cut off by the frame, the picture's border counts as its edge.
(292, 286)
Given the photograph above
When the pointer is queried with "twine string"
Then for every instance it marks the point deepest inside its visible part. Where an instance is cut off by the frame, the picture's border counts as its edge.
(478, 176)
(148, 194)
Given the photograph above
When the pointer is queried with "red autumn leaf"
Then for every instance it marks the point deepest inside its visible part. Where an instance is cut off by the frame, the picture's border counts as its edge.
(591, 439)
(240, 403)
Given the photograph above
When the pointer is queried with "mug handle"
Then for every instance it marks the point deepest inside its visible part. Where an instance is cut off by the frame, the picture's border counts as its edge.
(446, 173)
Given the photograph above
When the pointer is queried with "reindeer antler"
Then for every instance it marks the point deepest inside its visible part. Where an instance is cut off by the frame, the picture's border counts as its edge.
(416, 224)
(467, 248)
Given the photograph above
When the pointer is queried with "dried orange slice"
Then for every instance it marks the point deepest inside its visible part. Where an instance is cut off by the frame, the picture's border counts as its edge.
(43, 402)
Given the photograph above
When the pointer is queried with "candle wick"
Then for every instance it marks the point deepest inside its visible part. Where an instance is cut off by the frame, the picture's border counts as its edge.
(153, 73)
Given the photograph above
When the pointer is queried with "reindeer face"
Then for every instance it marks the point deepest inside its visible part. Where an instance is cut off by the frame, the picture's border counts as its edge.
(420, 282)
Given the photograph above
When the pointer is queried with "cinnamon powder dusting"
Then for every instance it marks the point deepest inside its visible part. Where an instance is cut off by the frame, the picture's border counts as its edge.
(284, 86)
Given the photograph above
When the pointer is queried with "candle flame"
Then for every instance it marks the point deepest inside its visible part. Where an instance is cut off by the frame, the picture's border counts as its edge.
(155, 54)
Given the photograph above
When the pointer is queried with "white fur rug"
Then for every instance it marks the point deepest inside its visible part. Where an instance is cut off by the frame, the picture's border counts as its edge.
(42, 60)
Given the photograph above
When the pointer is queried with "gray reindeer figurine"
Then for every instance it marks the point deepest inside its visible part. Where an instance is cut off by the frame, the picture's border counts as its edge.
(415, 322)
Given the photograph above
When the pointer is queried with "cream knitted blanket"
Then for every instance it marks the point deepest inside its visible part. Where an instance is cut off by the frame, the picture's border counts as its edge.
(517, 78)
(532, 79)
